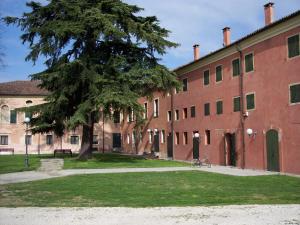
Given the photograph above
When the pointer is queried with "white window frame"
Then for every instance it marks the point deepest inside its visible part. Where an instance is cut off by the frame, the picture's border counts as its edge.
(222, 73)
(233, 77)
(250, 93)
(287, 47)
(290, 103)
(7, 139)
(206, 85)
(249, 53)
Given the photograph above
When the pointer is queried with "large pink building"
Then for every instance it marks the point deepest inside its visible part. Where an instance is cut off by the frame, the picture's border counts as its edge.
(243, 100)
(240, 106)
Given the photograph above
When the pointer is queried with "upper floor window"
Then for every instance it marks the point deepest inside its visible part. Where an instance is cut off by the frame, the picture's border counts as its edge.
(206, 109)
(4, 140)
(236, 67)
(295, 93)
(13, 116)
(219, 73)
(156, 107)
(130, 116)
(249, 63)
(116, 116)
(293, 46)
(185, 113)
(237, 104)
(250, 101)
(4, 114)
(176, 114)
(185, 84)
(145, 115)
(193, 111)
(219, 105)
(169, 115)
(206, 77)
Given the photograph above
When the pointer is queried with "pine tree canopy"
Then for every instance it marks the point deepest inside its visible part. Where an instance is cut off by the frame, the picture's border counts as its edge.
(100, 54)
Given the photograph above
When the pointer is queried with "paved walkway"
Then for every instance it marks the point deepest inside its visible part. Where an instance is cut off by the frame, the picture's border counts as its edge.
(52, 169)
(221, 215)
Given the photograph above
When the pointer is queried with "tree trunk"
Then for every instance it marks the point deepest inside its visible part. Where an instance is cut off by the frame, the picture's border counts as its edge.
(87, 139)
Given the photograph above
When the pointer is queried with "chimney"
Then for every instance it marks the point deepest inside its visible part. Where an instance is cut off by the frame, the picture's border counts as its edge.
(226, 36)
(196, 52)
(269, 13)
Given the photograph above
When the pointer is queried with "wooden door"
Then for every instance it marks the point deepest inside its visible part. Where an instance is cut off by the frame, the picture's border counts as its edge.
(272, 150)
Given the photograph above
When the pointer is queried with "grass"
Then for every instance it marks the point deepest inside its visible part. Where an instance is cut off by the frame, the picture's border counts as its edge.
(117, 161)
(15, 163)
(188, 188)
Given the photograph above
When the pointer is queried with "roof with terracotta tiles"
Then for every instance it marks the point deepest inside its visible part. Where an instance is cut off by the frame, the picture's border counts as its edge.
(21, 88)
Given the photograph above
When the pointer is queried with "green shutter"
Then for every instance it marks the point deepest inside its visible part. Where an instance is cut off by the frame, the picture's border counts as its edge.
(293, 46)
(237, 104)
(236, 67)
(206, 77)
(218, 73)
(249, 62)
(295, 93)
(28, 114)
(13, 116)
(206, 109)
(219, 107)
(250, 101)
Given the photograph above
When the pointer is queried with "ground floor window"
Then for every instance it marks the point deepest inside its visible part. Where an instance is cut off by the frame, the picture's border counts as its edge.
(28, 139)
(162, 136)
(49, 139)
(95, 139)
(74, 140)
(185, 138)
(4, 140)
(207, 137)
(177, 138)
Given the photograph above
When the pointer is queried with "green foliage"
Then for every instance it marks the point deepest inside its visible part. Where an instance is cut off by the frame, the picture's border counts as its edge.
(189, 188)
(100, 54)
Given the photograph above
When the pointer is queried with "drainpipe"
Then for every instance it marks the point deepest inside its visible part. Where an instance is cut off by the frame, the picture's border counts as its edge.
(242, 118)
(172, 123)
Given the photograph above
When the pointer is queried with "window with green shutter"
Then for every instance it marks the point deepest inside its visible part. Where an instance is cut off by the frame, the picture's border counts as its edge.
(295, 93)
(219, 107)
(28, 114)
(218, 73)
(249, 63)
(236, 104)
(250, 99)
(206, 77)
(293, 46)
(206, 109)
(13, 116)
(236, 67)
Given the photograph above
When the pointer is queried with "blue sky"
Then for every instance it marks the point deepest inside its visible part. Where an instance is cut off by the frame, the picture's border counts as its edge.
(191, 21)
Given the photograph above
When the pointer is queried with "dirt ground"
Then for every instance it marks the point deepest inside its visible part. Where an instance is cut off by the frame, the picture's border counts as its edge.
(233, 215)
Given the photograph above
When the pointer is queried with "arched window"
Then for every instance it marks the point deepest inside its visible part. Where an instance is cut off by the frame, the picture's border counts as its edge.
(4, 114)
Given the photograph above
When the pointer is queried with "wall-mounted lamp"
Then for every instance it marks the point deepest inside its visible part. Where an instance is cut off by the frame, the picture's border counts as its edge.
(251, 133)
(155, 130)
(196, 135)
(246, 114)
(149, 130)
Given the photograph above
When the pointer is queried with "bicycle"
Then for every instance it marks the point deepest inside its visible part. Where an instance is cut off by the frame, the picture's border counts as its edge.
(201, 162)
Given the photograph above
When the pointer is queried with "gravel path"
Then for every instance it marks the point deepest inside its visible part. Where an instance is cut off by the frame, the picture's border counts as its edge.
(233, 215)
(46, 174)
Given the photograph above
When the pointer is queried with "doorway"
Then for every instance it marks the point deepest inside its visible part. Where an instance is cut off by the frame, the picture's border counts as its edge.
(272, 150)
(230, 149)
(169, 146)
(196, 147)
(156, 141)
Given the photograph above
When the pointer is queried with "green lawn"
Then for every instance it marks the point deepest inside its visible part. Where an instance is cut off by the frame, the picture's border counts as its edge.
(15, 163)
(191, 188)
(117, 161)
